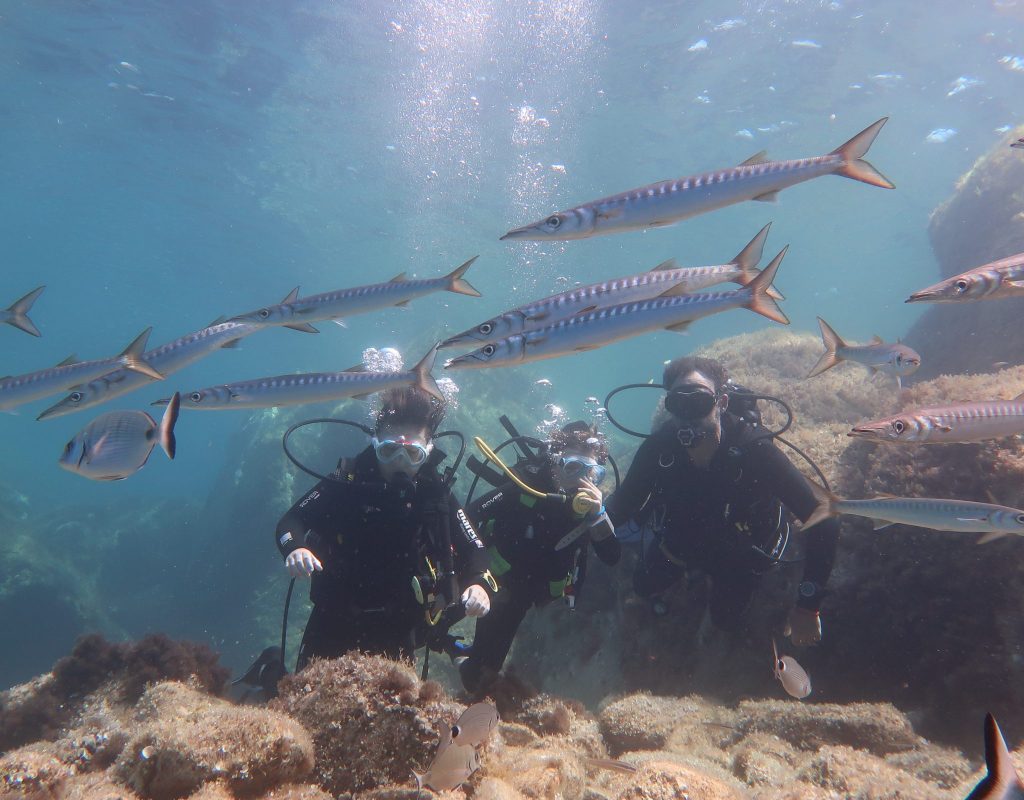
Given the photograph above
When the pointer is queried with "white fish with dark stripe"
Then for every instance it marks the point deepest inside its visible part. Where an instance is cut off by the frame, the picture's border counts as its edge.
(952, 423)
(668, 202)
(959, 516)
(992, 281)
(19, 389)
(168, 359)
(897, 359)
(594, 329)
(643, 286)
(16, 314)
(117, 444)
(297, 313)
(1002, 781)
(309, 387)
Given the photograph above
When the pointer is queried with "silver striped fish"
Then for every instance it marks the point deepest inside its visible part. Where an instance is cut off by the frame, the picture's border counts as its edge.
(791, 675)
(16, 314)
(1002, 781)
(117, 444)
(893, 359)
(959, 516)
(956, 422)
(297, 313)
(643, 286)
(597, 328)
(168, 359)
(668, 202)
(19, 389)
(309, 387)
(997, 279)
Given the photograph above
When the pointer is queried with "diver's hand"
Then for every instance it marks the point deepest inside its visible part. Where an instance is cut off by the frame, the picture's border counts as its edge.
(803, 626)
(302, 563)
(476, 601)
(594, 497)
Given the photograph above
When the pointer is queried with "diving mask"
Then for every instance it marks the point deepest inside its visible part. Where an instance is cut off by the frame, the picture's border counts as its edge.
(690, 402)
(389, 450)
(573, 468)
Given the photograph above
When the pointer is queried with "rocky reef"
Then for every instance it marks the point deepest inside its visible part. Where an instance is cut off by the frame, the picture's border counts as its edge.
(982, 221)
(358, 726)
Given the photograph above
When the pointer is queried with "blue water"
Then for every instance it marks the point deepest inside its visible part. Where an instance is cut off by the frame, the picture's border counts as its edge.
(167, 163)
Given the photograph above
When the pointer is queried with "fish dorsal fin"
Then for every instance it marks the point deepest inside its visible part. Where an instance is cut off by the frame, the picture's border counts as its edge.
(217, 321)
(537, 316)
(878, 524)
(665, 266)
(586, 310)
(767, 197)
(360, 367)
(876, 339)
(67, 362)
(675, 290)
(293, 295)
(759, 157)
(991, 536)
(1001, 772)
(398, 278)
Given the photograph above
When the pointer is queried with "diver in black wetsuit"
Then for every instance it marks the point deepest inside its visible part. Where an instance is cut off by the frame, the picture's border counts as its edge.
(385, 519)
(716, 493)
(538, 548)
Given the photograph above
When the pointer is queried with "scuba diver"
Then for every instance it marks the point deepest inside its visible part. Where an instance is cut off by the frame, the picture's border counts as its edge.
(538, 535)
(385, 542)
(715, 490)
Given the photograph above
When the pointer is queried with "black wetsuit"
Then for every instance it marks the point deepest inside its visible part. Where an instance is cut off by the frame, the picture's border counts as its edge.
(727, 521)
(372, 538)
(521, 533)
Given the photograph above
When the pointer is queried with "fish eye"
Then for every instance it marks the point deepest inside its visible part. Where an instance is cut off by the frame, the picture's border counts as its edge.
(195, 397)
(781, 666)
(488, 350)
(899, 426)
(553, 221)
(961, 285)
(1020, 519)
(264, 313)
(486, 328)
(899, 358)
(75, 397)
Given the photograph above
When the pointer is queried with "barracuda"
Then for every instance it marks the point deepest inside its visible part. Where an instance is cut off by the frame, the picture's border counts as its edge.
(959, 422)
(297, 313)
(309, 387)
(668, 202)
(992, 281)
(594, 329)
(168, 359)
(20, 389)
(644, 286)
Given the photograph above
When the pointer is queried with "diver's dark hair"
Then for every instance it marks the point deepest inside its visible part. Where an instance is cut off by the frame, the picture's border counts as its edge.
(684, 365)
(580, 435)
(409, 405)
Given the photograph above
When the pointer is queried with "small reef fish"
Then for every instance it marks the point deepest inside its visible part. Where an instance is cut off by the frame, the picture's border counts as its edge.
(589, 331)
(310, 387)
(668, 202)
(610, 764)
(297, 313)
(475, 724)
(892, 359)
(16, 314)
(960, 516)
(452, 765)
(1018, 144)
(791, 675)
(20, 389)
(168, 359)
(117, 444)
(1002, 781)
(955, 423)
(1002, 278)
(644, 286)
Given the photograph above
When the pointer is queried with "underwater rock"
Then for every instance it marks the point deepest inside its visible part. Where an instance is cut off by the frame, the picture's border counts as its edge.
(659, 779)
(857, 775)
(185, 738)
(764, 760)
(931, 763)
(980, 222)
(33, 772)
(99, 786)
(496, 789)
(641, 721)
(543, 774)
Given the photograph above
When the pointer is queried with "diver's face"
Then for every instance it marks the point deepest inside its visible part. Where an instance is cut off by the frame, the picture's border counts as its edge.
(402, 449)
(694, 405)
(573, 466)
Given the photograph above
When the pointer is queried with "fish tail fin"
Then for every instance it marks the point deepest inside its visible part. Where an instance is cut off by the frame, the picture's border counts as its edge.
(761, 300)
(19, 312)
(167, 440)
(750, 255)
(854, 166)
(1001, 771)
(458, 284)
(826, 505)
(424, 380)
(131, 357)
(832, 344)
(419, 783)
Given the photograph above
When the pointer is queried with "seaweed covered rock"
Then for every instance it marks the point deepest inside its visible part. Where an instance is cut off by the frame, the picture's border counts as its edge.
(185, 738)
(34, 771)
(643, 721)
(980, 222)
(857, 775)
(371, 720)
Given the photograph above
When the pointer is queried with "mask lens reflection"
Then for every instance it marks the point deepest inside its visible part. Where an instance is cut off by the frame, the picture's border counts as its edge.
(390, 449)
(576, 467)
(690, 403)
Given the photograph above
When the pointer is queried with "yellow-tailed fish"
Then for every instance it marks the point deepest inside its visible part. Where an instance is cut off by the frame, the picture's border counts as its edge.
(997, 279)
(594, 329)
(668, 202)
(643, 286)
(16, 314)
(791, 675)
(117, 444)
(897, 359)
(1002, 781)
(952, 423)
